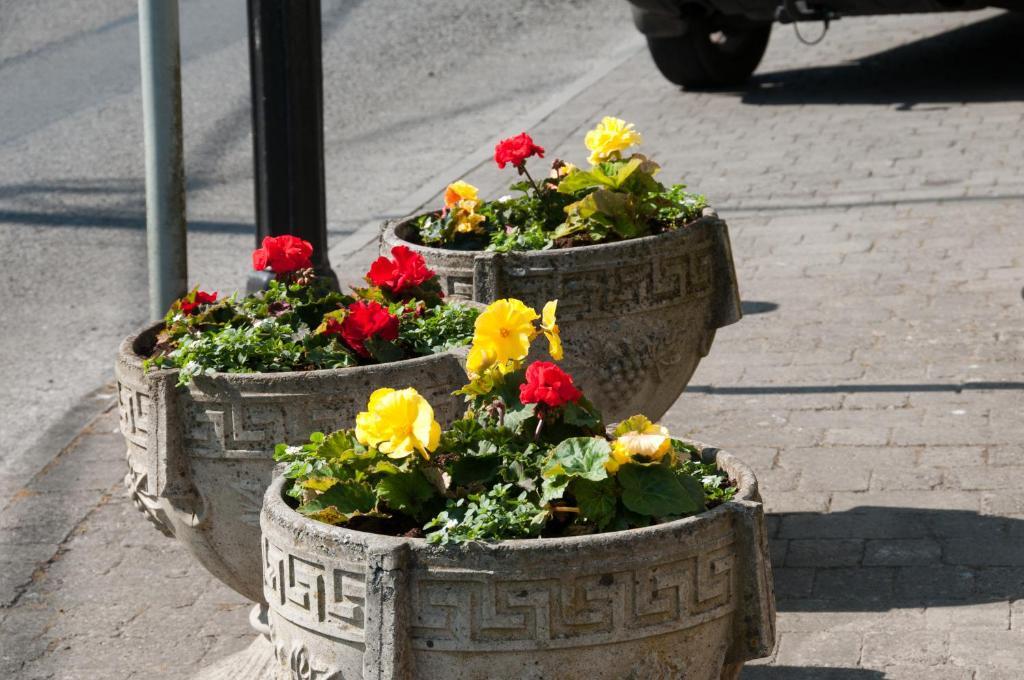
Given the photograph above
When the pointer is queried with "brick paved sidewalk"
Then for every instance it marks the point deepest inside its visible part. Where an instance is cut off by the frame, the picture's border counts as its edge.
(876, 384)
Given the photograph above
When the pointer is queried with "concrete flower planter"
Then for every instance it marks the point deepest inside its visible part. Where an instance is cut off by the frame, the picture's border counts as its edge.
(636, 316)
(201, 457)
(686, 599)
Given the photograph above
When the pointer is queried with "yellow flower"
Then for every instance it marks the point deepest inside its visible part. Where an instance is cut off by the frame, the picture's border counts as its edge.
(459, 191)
(550, 328)
(480, 358)
(465, 217)
(505, 329)
(610, 138)
(638, 439)
(398, 423)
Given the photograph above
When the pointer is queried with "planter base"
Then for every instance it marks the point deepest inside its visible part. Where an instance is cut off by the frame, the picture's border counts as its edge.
(255, 662)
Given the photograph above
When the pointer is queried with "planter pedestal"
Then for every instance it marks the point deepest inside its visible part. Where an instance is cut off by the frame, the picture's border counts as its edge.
(201, 457)
(636, 316)
(685, 599)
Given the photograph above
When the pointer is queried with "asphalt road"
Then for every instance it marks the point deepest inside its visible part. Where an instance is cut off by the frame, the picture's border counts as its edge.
(409, 89)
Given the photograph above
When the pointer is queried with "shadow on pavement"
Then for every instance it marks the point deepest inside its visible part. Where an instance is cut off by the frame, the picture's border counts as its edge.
(976, 63)
(808, 673)
(880, 558)
(749, 307)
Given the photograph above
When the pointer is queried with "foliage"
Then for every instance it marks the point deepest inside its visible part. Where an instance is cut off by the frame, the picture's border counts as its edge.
(299, 323)
(507, 469)
(616, 198)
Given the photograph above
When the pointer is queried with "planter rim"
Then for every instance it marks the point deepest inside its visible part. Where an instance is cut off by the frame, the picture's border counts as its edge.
(278, 510)
(126, 352)
(390, 227)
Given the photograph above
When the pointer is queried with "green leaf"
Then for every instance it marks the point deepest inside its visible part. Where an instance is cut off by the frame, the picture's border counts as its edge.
(580, 180)
(596, 500)
(553, 488)
(347, 497)
(656, 491)
(581, 415)
(580, 457)
(383, 351)
(339, 445)
(615, 174)
(474, 469)
(406, 491)
(515, 418)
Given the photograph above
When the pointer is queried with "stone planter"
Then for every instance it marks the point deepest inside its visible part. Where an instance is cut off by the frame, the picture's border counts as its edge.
(200, 457)
(686, 599)
(636, 316)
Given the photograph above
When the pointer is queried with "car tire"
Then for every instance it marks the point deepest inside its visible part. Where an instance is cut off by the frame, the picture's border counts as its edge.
(716, 51)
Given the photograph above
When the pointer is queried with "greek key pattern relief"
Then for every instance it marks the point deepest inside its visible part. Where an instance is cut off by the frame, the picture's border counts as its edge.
(652, 284)
(474, 612)
(133, 414)
(329, 600)
(249, 426)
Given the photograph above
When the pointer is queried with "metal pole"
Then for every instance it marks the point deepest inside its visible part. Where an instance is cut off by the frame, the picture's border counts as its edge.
(165, 168)
(286, 72)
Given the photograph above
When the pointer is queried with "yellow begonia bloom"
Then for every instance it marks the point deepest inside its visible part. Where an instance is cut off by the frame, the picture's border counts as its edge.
(398, 423)
(610, 138)
(480, 358)
(467, 221)
(505, 330)
(550, 328)
(638, 439)
(459, 191)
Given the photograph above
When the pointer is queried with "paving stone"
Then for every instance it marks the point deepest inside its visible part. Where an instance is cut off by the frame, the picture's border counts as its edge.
(988, 615)
(944, 672)
(909, 648)
(793, 583)
(902, 552)
(980, 648)
(926, 584)
(820, 649)
(817, 552)
(868, 586)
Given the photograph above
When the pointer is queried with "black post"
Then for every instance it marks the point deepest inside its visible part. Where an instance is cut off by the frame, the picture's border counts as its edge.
(288, 126)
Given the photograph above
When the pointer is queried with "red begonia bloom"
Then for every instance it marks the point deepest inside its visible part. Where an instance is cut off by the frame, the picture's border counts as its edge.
(283, 254)
(406, 270)
(516, 150)
(365, 320)
(547, 384)
(189, 308)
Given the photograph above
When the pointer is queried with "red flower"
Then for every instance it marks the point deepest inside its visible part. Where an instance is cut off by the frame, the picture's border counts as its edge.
(284, 254)
(547, 384)
(365, 320)
(406, 270)
(516, 150)
(189, 307)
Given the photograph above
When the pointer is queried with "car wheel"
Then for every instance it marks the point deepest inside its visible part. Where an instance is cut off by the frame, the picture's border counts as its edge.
(715, 51)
